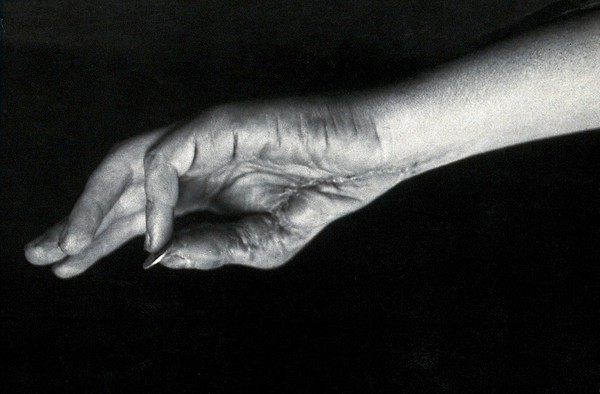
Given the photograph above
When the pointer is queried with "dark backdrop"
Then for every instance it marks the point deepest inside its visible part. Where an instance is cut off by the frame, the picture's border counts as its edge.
(480, 276)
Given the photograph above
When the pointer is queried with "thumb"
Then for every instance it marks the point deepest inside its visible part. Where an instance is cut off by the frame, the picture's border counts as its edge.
(265, 240)
(258, 241)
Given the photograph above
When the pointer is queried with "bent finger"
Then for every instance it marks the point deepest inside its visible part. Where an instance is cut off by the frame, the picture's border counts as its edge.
(163, 165)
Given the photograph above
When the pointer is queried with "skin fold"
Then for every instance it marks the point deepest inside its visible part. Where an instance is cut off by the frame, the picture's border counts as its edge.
(288, 168)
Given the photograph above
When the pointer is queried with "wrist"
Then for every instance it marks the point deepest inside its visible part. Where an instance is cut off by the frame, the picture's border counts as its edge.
(414, 132)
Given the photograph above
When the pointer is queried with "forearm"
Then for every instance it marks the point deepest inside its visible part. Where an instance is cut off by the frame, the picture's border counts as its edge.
(541, 84)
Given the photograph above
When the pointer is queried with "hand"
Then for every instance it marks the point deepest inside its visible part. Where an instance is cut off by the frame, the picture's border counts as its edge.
(285, 169)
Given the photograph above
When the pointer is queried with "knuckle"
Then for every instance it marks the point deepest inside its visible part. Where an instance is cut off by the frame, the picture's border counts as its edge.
(152, 158)
(293, 219)
(156, 159)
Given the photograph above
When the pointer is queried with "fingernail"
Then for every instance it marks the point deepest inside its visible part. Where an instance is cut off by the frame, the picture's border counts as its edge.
(154, 259)
(34, 242)
(73, 244)
(148, 243)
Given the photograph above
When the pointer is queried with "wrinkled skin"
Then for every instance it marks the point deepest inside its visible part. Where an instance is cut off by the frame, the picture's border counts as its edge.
(286, 170)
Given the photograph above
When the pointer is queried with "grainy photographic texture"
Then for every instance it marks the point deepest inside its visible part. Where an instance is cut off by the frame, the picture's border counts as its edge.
(416, 182)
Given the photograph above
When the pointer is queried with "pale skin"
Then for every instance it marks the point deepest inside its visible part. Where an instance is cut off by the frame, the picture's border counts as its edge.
(288, 168)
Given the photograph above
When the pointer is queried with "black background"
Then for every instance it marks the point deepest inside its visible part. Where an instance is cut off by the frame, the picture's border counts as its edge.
(479, 276)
